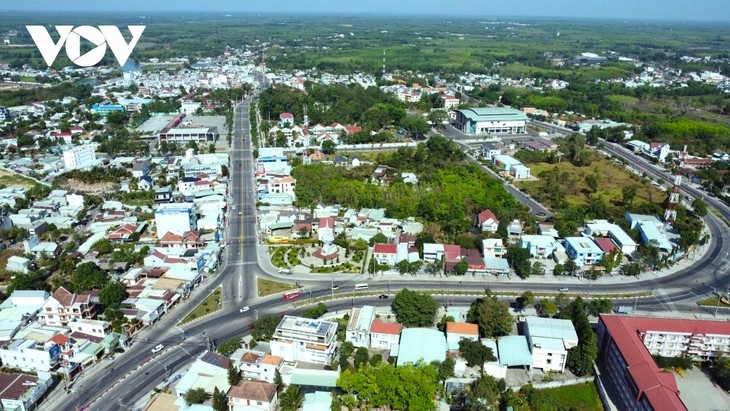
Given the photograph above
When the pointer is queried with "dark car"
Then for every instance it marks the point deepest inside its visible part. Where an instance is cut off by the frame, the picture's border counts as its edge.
(383, 296)
(251, 326)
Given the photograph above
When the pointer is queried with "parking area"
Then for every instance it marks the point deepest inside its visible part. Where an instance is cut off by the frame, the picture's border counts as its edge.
(700, 393)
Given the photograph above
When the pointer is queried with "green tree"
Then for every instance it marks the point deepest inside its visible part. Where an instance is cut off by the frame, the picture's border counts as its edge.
(438, 117)
(328, 147)
(361, 357)
(228, 347)
(581, 358)
(632, 269)
(483, 395)
(628, 194)
(700, 207)
(291, 399)
(219, 400)
(87, 276)
(476, 353)
(278, 381)
(593, 181)
(461, 267)
(415, 126)
(413, 309)
(445, 368)
(491, 315)
(113, 294)
(721, 371)
(600, 306)
(549, 307)
(195, 396)
(265, 327)
(316, 311)
(234, 375)
(407, 387)
(526, 299)
(31, 281)
(378, 238)
(519, 258)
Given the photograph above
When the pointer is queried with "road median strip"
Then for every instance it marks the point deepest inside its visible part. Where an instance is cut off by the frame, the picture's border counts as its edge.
(359, 294)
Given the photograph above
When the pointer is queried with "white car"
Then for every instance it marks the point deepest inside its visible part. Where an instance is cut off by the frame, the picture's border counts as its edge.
(244, 309)
(562, 290)
(157, 348)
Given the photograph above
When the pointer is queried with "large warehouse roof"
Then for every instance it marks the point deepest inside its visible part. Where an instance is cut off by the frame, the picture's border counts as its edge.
(492, 114)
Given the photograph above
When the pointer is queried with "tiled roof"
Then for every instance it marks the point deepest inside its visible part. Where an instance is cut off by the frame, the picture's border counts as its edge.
(272, 360)
(253, 390)
(250, 357)
(13, 386)
(462, 328)
(380, 327)
(486, 215)
(385, 249)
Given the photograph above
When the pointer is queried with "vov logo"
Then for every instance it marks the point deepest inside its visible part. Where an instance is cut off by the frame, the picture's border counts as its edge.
(71, 37)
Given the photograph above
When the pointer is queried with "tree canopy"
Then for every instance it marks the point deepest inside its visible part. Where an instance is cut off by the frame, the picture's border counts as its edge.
(113, 294)
(87, 276)
(414, 309)
(491, 315)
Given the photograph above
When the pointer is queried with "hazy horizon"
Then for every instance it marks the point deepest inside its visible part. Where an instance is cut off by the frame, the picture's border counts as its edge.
(666, 10)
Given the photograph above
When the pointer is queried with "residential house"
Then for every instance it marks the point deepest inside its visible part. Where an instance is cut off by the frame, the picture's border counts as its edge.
(456, 332)
(385, 254)
(30, 355)
(188, 239)
(487, 221)
(253, 396)
(491, 150)
(450, 101)
(64, 306)
(126, 232)
(359, 324)
(540, 246)
(601, 228)
(382, 175)
(22, 392)
(549, 340)
(17, 264)
(141, 168)
(583, 250)
(383, 335)
(210, 370)
(259, 366)
(421, 344)
(163, 195)
(493, 248)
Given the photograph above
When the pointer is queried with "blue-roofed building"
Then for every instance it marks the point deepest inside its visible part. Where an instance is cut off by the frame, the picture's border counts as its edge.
(514, 351)
(317, 401)
(649, 232)
(494, 368)
(424, 344)
(491, 120)
(583, 250)
(105, 108)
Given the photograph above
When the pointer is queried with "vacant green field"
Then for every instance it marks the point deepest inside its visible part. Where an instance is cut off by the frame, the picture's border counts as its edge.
(583, 397)
(10, 179)
(613, 178)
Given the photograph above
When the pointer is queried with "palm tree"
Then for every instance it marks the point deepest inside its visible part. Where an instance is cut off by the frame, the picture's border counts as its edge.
(292, 399)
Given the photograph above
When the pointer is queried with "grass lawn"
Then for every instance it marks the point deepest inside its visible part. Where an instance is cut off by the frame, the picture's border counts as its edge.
(712, 302)
(10, 179)
(268, 287)
(4, 256)
(612, 180)
(581, 397)
(210, 304)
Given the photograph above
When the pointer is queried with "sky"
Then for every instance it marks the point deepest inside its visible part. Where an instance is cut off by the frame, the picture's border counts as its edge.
(683, 10)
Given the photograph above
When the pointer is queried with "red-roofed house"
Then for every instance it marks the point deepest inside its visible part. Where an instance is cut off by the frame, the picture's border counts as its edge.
(189, 239)
(352, 129)
(64, 306)
(285, 118)
(384, 335)
(22, 391)
(124, 232)
(626, 345)
(488, 221)
(385, 253)
(456, 332)
(450, 101)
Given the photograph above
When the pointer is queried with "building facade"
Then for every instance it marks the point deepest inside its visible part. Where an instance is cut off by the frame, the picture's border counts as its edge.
(304, 339)
(64, 307)
(29, 355)
(82, 156)
(490, 120)
(583, 250)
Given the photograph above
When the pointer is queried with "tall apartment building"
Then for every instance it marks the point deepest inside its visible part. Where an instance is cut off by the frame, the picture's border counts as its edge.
(626, 345)
(79, 157)
(304, 339)
(30, 355)
(549, 340)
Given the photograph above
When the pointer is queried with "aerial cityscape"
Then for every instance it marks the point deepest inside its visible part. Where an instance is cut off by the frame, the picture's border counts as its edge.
(351, 206)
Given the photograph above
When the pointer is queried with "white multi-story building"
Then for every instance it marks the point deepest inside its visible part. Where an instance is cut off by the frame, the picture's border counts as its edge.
(549, 340)
(64, 307)
(82, 156)
(540, 246)
(282, 185)
(259, 366)
(493, 248)
(583, 250)
(386, 254)
(616, 233)
(304, 339)
(187, 134)
(29, 355)
(358, 327)
(384, 335)
(176, 218)
(96, 328)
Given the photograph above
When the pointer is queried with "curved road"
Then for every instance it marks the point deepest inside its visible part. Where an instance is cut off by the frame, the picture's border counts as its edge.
(116, 384)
